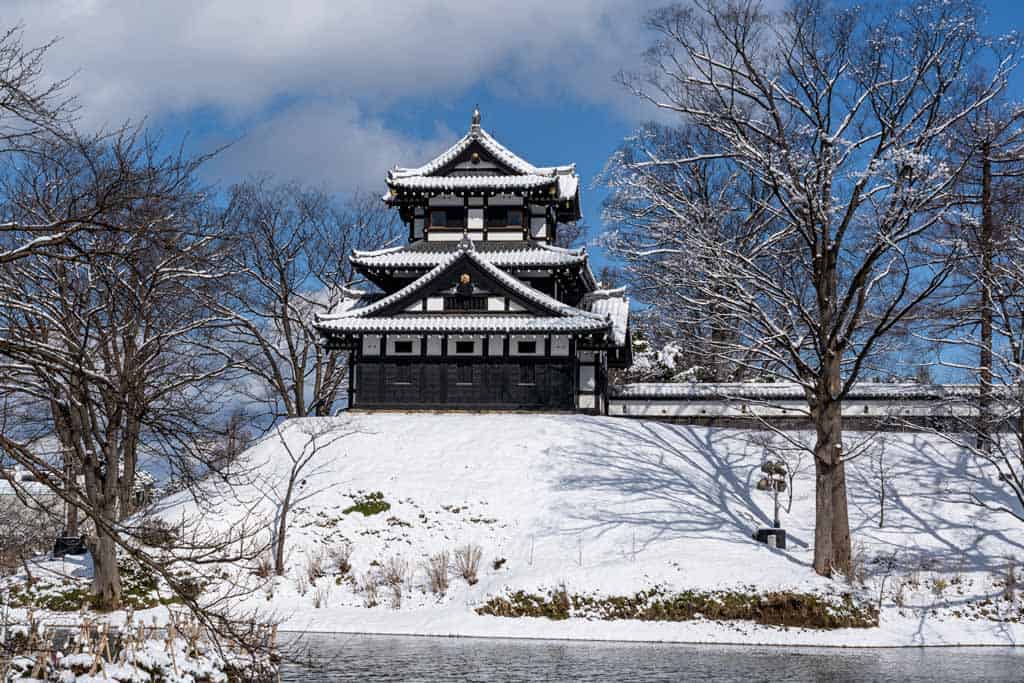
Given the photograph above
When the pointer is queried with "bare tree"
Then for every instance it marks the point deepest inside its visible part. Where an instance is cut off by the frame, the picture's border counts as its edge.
(290, 261)
(108, 334)
(1000, 485)
(991, 188)
(828, 129)
(299, 482)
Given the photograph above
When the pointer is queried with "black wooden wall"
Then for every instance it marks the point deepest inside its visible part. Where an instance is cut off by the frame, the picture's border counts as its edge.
(471, 383)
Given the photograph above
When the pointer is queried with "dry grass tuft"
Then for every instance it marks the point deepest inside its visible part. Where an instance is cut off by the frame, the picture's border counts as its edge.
(467, 562)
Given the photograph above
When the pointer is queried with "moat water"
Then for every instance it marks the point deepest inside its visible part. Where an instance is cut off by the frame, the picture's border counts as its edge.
(341, 657)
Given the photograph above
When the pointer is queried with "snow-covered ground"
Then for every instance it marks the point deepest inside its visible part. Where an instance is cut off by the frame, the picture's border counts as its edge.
(608, 506)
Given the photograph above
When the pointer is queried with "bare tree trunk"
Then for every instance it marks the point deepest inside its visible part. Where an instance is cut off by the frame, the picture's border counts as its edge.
(71, 511)
(985, 352)
(842, 547)
(282, 526)
(106, 581)
(827, 526)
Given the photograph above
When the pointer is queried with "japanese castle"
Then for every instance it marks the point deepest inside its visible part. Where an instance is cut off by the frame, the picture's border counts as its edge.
(481, 309)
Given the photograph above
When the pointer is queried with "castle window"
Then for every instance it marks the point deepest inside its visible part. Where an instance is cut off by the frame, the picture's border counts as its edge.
(404, 346)
(452, 217)
(502, 217)
(526, 347)
(465, 347)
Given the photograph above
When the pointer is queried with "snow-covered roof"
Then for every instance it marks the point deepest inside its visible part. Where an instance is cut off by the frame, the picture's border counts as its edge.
(789, 391)
(425, 254)
(465, 250)
(524, 176)
(495, 148)
(614, 304)
(451, 183)
(508, 324)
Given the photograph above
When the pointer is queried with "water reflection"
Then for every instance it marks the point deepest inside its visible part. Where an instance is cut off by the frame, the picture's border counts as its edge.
(390, 658)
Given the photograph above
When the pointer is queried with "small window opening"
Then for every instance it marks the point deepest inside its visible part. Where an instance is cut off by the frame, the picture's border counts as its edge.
(527, 347)
(465, 347)
(403, 346)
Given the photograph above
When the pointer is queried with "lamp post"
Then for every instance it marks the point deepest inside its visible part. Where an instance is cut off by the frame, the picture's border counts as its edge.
(774, 480)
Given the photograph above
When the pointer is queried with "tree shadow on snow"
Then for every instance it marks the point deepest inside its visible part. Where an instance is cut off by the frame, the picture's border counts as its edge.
(670, 481)
(931, 499)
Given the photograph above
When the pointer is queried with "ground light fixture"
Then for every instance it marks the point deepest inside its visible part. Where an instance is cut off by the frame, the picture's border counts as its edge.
(774, 480)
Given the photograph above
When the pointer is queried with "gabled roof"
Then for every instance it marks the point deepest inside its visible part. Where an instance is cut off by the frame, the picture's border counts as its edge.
(522, 174)
(464, 252)
(486, 140)
(424, 254)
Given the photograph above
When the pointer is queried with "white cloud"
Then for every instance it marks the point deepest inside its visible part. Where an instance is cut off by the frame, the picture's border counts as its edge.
(346, 60)
(328, 143)
(157, 57)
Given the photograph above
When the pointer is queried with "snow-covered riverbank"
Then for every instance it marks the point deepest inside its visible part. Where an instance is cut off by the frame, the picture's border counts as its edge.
(611, 507)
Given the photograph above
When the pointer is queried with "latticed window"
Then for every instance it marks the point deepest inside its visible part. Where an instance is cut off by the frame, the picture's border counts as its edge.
(459, 302)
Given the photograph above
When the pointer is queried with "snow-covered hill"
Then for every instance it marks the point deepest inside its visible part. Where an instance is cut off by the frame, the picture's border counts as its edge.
(610, 507)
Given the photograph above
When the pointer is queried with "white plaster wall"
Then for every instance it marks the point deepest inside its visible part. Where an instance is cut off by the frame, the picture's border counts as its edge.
(371, 345)
(495, 345)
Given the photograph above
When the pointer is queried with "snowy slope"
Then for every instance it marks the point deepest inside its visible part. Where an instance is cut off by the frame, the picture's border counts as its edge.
(613, 506)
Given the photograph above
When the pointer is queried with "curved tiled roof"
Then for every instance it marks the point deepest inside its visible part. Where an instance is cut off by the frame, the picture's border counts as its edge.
(508, 324)
(503, 255)
(466, 250)
(487, 141)
(449, 183)
(524, 176)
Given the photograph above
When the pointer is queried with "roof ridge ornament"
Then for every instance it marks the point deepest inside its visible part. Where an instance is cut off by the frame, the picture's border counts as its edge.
(466, 244)
(476, 119)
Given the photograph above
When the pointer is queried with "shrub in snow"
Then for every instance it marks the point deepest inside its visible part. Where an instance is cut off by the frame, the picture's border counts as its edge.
(855, 572)
(341, 558)
(368, 504)
(777, 608)
(315, 563)
(369, 588)
(467, 562)
(265, 565)
(321, 595)
(395, 574)
(437, 572)
(155, 532)
(302, 584)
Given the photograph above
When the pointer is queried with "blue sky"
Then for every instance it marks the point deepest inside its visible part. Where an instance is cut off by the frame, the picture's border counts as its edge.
(333, 93)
